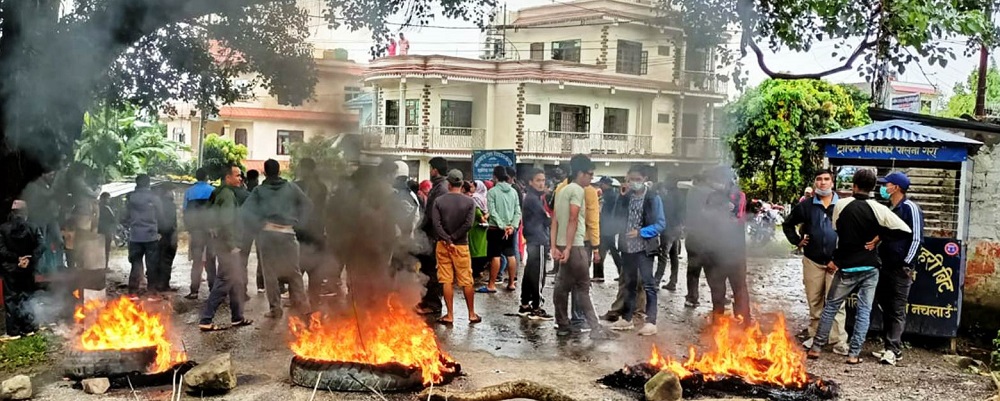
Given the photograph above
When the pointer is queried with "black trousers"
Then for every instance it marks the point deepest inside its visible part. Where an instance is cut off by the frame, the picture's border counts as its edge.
(534, 277)
(18, 319)
(608, 246)
(695, 265)
(432, 298)
(670, 248)
(312, 261)
(892, 293)
(137, 253)
(167, 247)
(733, 271)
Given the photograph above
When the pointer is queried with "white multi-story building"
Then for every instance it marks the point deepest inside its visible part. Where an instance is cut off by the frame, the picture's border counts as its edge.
(598, 77)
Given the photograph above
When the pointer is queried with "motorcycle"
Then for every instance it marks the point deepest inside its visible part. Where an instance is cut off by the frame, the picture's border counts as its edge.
(121, 237)
(765, 221)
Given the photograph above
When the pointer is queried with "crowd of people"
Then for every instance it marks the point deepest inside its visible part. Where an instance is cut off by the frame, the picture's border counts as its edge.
(477, 235)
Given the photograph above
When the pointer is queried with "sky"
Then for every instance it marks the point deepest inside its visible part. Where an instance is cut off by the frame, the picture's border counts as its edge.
(461, 38)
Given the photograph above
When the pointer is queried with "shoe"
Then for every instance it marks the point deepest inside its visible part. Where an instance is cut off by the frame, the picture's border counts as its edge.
(603, 334)
(563, 332)
(524, 310)
(597, 280)
(647, 329)
(689, 304)
(888, 358)
(622, 324)
(551, 272)
(260, 290)
(878, 354)
(193, 295)
(581, 329)
(807, 344)
(540, 314)
(671, 286)
(842, 349)
(274, 314)
(609, 317)
(640, 316)
(286, 295)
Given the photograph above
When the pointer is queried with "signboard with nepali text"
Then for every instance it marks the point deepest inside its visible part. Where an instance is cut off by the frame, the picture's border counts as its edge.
(483, 162)
(908, 103)
(935, 301)
(897, 152)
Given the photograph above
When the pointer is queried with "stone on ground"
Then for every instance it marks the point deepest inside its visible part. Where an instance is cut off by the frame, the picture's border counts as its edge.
(963, 362)
(98, 385)
(665, 386)
(214, 375)
(16, 388)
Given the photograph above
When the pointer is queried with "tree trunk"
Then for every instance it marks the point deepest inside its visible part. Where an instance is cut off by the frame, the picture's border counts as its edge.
(774, 180)
(504, 391)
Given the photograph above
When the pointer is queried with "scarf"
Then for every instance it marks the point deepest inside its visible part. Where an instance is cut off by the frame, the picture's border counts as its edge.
(480, 196)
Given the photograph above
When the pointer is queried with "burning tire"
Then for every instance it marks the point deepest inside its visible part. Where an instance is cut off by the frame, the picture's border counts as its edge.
(107, 363)
(354, 377)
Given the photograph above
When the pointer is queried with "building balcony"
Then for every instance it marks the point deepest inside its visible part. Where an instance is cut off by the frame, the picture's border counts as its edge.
(556, 142)
(704, 81)
(701, 148)
(394, 137)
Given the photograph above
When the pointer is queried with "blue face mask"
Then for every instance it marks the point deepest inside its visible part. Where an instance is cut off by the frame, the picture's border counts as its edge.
(884, 191)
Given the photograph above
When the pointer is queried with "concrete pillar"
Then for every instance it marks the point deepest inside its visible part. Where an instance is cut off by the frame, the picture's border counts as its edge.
(402, 106)
(679, 126)
(424, 172)
(491, 117)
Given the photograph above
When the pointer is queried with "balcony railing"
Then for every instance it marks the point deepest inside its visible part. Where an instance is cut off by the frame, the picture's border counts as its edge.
(557, 142)
(700, 148)
(703, 81)
(412, 137)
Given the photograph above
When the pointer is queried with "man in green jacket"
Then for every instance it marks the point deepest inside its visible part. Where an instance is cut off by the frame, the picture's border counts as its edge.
(503, 202)
(274, 210)
(226, 241)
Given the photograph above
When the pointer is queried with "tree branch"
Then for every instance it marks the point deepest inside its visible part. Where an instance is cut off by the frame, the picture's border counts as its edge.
(848, 64)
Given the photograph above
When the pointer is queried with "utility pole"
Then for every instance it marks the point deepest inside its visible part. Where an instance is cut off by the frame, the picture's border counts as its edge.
(984, 55)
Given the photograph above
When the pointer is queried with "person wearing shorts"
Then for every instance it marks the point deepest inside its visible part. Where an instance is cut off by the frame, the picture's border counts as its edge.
(452, 217)
(505, 217)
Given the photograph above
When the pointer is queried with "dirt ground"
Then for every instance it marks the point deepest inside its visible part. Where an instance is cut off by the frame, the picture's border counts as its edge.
(506, 348)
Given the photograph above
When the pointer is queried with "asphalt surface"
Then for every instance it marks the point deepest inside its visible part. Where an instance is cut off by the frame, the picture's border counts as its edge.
(507, 347)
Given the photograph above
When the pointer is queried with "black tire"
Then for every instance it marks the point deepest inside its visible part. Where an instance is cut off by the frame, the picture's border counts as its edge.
(349, 376)
(80, 365)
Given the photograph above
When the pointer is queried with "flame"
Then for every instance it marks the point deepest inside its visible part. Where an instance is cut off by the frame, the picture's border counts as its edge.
(123, 324)
(758, 358)
(391, 334)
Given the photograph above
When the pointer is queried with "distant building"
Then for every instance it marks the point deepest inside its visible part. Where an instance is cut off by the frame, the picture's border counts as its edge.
(910, 97)
(599, 77)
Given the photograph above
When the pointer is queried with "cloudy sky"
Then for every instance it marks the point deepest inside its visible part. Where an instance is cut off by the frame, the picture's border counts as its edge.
(461, 38)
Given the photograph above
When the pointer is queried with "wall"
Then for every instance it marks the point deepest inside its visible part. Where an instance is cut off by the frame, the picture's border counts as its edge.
(982, 278)
(589, 36)
(545, 95)
(660, 68)
(262, 139)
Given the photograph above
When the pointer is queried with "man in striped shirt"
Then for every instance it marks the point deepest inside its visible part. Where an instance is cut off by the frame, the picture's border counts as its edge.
(897, 265)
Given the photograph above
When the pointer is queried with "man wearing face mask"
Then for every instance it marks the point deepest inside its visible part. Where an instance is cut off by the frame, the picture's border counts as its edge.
(810, 227)
(897, 255)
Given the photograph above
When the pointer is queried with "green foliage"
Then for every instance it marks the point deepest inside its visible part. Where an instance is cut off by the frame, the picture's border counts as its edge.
(220, 152)
(23, 352)
(121, 143)
(902, 31)
(329, 159)
(963, 101)
(772, 125)
(995, 355)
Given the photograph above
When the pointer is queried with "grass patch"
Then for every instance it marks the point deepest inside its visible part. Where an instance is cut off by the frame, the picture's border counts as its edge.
(24, 352)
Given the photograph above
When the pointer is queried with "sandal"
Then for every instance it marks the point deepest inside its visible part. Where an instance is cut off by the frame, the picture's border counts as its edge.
(425, 311)
(241, 323)
(511, 288)
(854, 361)
(478, 319)
(485, 290)
(445, 322)
(813, 354)
(205, 328)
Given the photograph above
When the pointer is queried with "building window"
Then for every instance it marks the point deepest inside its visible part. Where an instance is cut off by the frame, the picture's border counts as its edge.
(569, 118)
(286, 139)
(240, 136)
(538, 51)
(696, 59)
(351, 92)
(663, 50)
(533, 109)
(566, 50)
(663, 118)
(615, 121)
(631, 58)
(392, 112)
(925, 106)
(689, 129)
(456, 113)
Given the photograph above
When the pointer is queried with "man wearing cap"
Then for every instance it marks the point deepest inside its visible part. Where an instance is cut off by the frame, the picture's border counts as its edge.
(897, 256)
(19, 252)
(452, 218)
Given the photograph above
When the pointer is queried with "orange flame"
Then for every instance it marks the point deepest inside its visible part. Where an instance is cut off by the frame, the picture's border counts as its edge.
(123, 324)
(393, 334)
(759, 358)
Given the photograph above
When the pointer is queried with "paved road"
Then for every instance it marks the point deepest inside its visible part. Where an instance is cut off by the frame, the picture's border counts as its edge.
(508, 347)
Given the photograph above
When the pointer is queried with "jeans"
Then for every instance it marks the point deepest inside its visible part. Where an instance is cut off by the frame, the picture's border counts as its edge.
(892, 292)
(432, 298)
(160, 279)
(735, 272)
(608, 246)
(843, 285)
(281, 263)
(639, 265)
(534, 277)
(313, 264)
(574, 277)
(227, 284)
(137, 251)
(695, 265)
(202, 258)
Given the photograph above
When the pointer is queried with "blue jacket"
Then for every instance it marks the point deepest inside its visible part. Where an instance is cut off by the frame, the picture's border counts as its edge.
(143, 211)
(817, 223)
(653, 221)
(901, 251)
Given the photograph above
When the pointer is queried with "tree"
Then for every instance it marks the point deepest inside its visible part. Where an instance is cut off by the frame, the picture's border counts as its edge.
(221, 152)
(963, 101)
(885, 34)
(55, 63)
(773, 123)
(325, 151)
(118, 144)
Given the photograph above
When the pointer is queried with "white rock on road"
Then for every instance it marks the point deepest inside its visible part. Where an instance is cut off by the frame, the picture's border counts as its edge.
(98, 385)
(215, 375)
(16, 388)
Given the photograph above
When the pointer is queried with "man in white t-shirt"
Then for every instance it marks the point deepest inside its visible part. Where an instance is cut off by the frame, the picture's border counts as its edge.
(402, 45)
